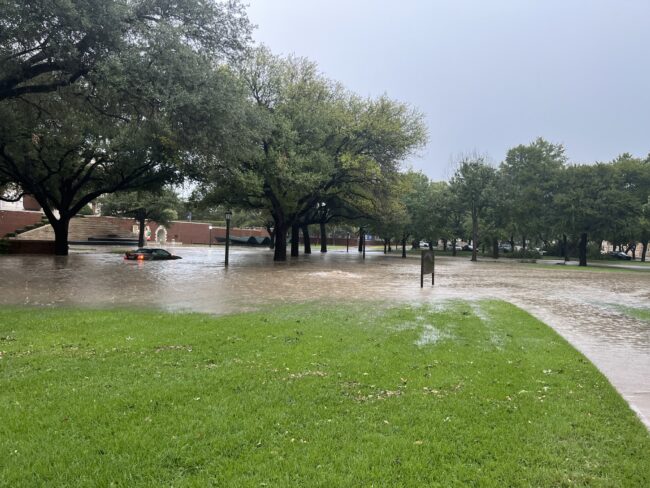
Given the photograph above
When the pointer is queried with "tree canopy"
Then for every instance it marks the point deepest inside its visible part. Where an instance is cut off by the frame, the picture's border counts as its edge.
(47, 45)
(312, 143)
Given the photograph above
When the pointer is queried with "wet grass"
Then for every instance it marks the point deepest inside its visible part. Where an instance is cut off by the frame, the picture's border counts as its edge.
(308, 395)
(639, 313)
(592, 267)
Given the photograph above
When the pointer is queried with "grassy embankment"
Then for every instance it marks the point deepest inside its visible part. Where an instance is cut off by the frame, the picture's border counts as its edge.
(307, 395)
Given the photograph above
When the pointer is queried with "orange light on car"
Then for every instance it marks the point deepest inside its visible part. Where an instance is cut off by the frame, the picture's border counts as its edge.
(140, 257)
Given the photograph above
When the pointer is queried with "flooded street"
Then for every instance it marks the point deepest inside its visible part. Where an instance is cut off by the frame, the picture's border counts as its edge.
(587, 308)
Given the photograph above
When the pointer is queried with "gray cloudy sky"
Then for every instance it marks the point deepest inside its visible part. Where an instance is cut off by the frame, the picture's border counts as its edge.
(487, 74)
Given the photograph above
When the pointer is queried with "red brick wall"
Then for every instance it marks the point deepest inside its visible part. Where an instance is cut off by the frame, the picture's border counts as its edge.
(181, 232)
(191, 232)
(31, 247)
(30, 203)
(199, 232)
(12, 220)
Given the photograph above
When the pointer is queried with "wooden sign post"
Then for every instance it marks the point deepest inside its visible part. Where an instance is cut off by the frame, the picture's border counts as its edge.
(427, 265)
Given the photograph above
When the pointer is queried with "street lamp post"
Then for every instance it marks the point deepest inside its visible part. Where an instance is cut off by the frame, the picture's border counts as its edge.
(228, 217)
(210, 244)
(347, 244)
(323, 233)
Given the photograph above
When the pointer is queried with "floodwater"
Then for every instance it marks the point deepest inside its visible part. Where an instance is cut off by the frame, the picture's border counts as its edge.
(587, 308)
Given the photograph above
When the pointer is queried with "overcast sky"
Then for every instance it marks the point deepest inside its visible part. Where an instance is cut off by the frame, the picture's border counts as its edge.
(487, 74)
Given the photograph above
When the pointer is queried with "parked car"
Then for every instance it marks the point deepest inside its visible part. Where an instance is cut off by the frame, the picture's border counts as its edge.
(468, 247)
(149, 254)
(619, 255)
(424, 244)
(505, 247)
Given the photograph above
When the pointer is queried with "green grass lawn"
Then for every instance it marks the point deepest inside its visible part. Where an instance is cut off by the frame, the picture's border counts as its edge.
(639, 313)
(308, 395)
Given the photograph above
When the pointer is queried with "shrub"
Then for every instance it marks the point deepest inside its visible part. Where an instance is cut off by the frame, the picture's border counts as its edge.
(593, 251)
(85, 211)
(521, 254)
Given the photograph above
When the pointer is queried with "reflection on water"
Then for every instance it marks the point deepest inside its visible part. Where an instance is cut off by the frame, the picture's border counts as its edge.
(585, 307)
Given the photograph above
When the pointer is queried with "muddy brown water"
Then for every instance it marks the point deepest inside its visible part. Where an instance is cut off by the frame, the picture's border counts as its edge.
(587, 308)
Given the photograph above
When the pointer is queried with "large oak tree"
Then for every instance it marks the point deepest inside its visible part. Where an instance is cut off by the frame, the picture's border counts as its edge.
(77, 121)
(309, 141)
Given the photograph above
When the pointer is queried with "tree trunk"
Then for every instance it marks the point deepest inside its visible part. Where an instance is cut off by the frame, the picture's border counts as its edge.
(323, 237)
(453, 246)
(361, 239)
(474, 235)
(495, 248)
(565, 248)
(295, 240)
(644, 250)
(305, 239)
(512, 243)
(582, 249)
(444, 245)
(141, 223)
(60, 227)
(404, 246)
(523, 243)
(385, 245)
(280, 251)
(390, 245)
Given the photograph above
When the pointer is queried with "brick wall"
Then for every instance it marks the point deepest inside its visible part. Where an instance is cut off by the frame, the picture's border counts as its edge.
(11, 220)
(199, 232)
(30, 203)
(178, 231)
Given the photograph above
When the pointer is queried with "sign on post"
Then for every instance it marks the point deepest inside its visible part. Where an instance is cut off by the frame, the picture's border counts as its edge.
(427, 266)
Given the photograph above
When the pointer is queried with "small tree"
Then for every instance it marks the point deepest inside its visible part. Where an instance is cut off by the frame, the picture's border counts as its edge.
(529, 179)
(143, 206)
(473, 186)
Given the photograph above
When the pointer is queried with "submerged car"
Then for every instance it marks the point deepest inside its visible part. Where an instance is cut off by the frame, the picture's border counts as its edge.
(149, 254)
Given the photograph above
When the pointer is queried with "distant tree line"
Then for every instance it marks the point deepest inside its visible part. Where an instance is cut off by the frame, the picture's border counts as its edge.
(125, 99)
(533, 197)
